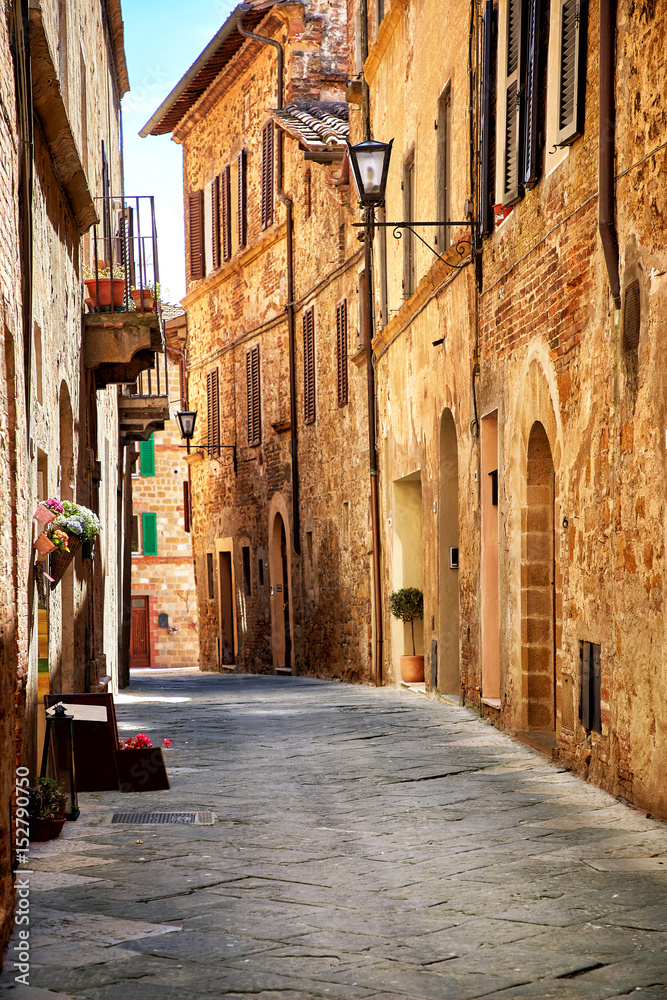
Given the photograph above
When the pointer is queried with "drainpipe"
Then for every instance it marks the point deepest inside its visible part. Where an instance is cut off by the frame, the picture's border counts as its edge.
(607, 122)
(369, 323)
(289, 307)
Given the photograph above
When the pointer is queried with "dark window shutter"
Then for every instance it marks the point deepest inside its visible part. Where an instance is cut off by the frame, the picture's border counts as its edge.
(341, 351)
(147, 457)
(531, 145)
(267, 175)
(572, 34)
(514, 103)
(253, 396)
(149, 534)
(591, 686)
(186, 505)
(242, 194)
(215, 222)
(309, 365)
(226, 213)
(196, 234)
(183, 379)
(486, 185)
(213, 409)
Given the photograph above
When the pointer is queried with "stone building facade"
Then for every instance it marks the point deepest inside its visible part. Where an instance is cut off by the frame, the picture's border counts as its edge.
(281, 530)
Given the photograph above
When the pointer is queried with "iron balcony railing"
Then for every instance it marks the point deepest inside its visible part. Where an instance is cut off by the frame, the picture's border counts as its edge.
(151, 384)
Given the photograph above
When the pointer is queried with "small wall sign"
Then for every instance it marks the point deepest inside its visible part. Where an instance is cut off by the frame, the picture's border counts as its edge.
(163, 621)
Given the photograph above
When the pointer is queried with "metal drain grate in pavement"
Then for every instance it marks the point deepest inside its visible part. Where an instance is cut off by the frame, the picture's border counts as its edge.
(191, 819)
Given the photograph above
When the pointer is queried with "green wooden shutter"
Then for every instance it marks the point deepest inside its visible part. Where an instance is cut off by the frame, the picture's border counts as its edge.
(149, 532)
(147, 457)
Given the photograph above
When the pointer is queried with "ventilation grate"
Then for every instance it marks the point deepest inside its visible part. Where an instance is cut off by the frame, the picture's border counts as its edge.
(187, 818)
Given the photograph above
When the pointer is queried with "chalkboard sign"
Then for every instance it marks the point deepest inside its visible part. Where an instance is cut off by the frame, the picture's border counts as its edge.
(94, 742)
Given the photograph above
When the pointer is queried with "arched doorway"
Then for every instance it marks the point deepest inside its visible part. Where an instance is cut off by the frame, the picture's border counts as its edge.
(538, 572)
(281, 595)
(448, 678)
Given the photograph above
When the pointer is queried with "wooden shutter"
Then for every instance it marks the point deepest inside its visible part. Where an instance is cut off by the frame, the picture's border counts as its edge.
(267, 175)
(341, 351)
(226, 206)
(531, 144)
(186, 505)
(213, 408)
(147, 457)
(514, 104)
(309, 365)
(489, 43)
(572, 34)
(149, 534)
(242, 196)
(183, 380)
(196, 234)
(253, 397)
(215, 222)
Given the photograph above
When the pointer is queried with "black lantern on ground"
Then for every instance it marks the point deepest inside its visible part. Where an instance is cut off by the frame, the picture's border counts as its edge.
(370, 165)
(186, 423)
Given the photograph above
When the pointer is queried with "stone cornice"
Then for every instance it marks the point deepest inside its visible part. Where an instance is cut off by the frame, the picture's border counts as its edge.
(390, 21)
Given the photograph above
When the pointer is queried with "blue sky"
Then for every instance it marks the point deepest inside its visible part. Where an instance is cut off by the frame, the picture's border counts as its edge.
(162, 40)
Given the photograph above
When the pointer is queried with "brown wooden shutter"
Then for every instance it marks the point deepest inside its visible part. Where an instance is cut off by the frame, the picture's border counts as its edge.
(341, 351)
(186, 505)
(487, 127)
(572, 35)
(267, 175)
(213, 407)
(242, 195)
(215, 222)
(253, 396)
(226, 213)
(196, 234)
(514, 104)
(183, 379)
(531, 145)
(309, 365)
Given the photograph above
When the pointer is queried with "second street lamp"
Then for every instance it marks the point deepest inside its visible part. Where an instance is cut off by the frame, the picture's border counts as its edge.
(186, 424)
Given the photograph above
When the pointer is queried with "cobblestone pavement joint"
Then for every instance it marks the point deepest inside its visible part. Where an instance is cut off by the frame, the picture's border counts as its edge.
(368, 843)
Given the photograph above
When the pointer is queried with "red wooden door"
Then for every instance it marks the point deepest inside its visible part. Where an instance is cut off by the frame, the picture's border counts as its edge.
(140, 648)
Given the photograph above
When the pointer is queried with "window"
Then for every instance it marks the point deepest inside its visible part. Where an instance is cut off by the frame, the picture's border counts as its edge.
(209, 575)
(213, 412)
(149, 534)
(488, 118)
(408, 216)
(136, 543)
(260, 571)
(215, 222)
(226, 213)
(186, 505)
(245, 551)
(147, 457)
(572, 33)
(341, 351)
(309, 365)
(267, 175)
(590, 686)
(253, 397)
(444, 167)
(242, 182)
(196, 234)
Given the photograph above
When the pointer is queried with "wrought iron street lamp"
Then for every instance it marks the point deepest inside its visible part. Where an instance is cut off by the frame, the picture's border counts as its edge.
(370, 166)
(186, 420)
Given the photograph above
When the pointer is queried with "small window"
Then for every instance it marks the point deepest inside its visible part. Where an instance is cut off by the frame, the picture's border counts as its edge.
(260, 571)
(309, 365)
(341, 352)
(242, 211)
(246, 570)
(590, 708)
(209, 575)
(196, 234)
(149, 534)
(147, 457)
(267, 175)
(136, 543)
(253, 397)
(213, 412)
(444, 166)
(226, 213)
(215, 222)
(494, 487)
(186, 505)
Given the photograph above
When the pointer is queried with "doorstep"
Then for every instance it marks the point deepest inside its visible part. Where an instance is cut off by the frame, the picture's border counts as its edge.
(543, 742)
(418, 688)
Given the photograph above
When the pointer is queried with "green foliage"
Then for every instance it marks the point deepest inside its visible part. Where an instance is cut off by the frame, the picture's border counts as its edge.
(46, 799)
(407, 605)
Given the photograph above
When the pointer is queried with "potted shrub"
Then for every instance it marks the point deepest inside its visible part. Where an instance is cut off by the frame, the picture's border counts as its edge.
(140, 765)
(408, 606)
(104, 286)
(144, 298)
(46, 809)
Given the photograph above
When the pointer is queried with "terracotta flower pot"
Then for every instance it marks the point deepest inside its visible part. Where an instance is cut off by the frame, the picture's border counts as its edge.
(60, 560)
(43, 544)
(43, 515)
(412, 669)
(100, 292)
(56, 826)
(143, 299)
(40, 829)
(141, 770)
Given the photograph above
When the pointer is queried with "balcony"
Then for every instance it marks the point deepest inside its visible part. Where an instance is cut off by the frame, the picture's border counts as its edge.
(144, 406)
(123, 329)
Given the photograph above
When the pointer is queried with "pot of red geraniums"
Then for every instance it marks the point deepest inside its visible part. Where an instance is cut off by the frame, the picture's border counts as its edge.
(140, 765)
(103, 285)
(408, 606)
(46, 809)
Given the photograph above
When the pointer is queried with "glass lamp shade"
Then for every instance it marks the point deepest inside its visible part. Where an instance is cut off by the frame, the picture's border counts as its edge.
(370, 165)
(186, 423)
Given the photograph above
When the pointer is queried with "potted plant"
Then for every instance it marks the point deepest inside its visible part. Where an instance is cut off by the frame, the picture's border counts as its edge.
(145, 297)
(408, 606)
(104, 285)
(140, 765)
(82, 526)
(46, 809)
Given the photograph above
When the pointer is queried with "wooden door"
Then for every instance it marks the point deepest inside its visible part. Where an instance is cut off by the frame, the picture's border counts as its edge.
(140, 647)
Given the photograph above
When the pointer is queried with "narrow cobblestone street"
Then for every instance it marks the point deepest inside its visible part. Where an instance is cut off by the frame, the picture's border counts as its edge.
(368, 843)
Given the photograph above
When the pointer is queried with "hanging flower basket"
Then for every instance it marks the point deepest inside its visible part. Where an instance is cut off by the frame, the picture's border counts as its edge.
(44, 545)
(60, 561)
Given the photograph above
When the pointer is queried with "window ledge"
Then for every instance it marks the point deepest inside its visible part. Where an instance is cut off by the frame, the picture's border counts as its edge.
(492, 702)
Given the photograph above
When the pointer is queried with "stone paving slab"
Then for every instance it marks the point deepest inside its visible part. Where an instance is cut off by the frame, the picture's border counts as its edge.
(369, 843)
